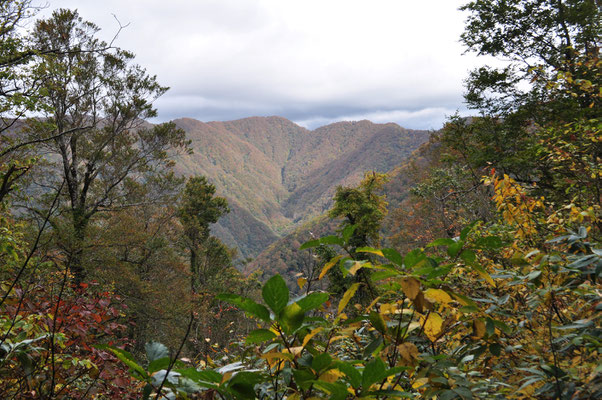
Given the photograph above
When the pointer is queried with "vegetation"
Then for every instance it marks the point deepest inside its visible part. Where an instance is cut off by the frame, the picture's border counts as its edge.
(482, 282)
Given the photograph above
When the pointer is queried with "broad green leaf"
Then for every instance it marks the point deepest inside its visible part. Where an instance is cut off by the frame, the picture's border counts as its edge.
(275, 293)
(336, 391)
(243, 384)
(489, 242)
(413, 258)
(377, 322)
(348, 232)
(468, 256)
(247, 305)
(259, 335)
(321, 362)
(291, 317)
(354, 376)
(393, 256)
(373, 372)
(441, 242)
(332, 239)
(309, 244)
(303, 378)
(128, 360)
(312, 301)
(155, 350)
(466, 230)
(158, 364)
(455, 248)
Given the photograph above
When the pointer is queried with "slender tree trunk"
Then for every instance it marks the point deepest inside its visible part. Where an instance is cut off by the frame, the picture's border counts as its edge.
(194, 270)
(76, 262)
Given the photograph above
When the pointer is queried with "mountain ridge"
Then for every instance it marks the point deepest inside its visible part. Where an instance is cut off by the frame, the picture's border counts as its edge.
(279, 175)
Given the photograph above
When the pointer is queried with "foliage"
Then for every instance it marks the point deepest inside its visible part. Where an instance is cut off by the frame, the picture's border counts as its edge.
(95, 103)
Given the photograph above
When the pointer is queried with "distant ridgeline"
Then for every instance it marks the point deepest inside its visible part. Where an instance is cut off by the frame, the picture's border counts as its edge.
(278, 176)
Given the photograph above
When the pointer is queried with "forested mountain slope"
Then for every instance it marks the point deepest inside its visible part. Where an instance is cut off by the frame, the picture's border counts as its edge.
(278, 175)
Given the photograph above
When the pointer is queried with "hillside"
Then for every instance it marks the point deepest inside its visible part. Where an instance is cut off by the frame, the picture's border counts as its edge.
(284, 256)
(278, 175)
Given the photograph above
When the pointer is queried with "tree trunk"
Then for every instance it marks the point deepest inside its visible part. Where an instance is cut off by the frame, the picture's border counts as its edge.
(76, 262)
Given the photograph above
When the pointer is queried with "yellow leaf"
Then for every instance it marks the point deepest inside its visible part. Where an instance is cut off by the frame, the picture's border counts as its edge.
(437, 296)
(486, 276)
(329, 265)
(347, 296)
(432, 327)
(278, 356)
(373, 303)
(478, 328)
(301, 282)
(356, 267)
(410, 286)
(330, 376)
(420, 382)
(311, 334)
(388, 308)
(408, 351)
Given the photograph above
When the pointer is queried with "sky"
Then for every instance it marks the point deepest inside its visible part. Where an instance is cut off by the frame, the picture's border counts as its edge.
(313, 62)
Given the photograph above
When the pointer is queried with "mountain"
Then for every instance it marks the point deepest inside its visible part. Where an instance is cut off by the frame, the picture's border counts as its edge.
(284, 257)
(278, 175)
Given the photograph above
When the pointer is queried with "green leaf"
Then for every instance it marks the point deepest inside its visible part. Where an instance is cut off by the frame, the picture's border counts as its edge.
(309, 244)
(468, 256)
(336, 391)
(206, 378)
(275, 293)
(413, 258)
(127, 358)
(243, 384)
(393, 394)
(373, 372)
(303, 378)
(159, 364)
(393, 256)
(291, 318)
(455, 248)
(321, 362)
(155, 350)
(490, 327)
(495, 349)
(259, 335)
(247, 305)
(489, 242)
(312, 301)
(441, 242)
(354, 376)
(348, 232)
(332, 239)
(373, 346)
(377, 322)
(464, 233)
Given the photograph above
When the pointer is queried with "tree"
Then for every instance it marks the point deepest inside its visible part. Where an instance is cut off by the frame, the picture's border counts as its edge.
(95, 103)
(540, 39)
(362, 207)
(362, 210)
(198, 209)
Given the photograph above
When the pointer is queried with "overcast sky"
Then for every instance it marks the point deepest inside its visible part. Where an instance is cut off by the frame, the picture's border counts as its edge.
(313, 62)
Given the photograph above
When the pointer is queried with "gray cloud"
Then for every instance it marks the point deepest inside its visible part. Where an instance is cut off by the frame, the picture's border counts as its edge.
(311, 61)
